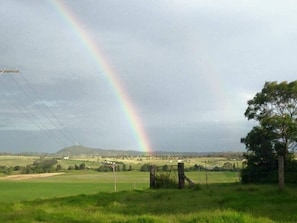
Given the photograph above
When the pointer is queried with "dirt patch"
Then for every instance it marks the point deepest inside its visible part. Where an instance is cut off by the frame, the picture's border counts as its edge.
(29, 176)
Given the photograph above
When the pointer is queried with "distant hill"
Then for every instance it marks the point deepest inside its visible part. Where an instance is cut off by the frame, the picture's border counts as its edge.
(82, 150)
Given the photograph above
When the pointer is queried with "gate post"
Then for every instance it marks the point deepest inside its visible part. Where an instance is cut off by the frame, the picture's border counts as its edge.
(181, 175)
(152, 176)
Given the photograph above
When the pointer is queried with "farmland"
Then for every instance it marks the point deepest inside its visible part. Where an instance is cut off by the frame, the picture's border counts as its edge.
(89, 196)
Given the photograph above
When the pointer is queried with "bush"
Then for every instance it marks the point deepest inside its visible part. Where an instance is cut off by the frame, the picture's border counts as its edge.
(58, 167)
(258, 175)
(6, 169)
(164, 181)
(82, 166)
(104, 168)
(269, 173)
(17, 168)
(40, 166)
(145, 167)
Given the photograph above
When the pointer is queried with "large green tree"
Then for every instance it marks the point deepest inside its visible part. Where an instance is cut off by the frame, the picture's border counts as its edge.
(275, 108)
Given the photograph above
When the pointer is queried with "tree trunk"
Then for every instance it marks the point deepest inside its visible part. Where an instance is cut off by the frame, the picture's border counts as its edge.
(281, 172)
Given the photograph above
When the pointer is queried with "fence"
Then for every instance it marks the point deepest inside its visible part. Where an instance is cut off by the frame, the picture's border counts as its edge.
(180, 178)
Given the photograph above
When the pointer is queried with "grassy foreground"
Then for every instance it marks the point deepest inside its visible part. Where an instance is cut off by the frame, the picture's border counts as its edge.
(88, 196)
(213, 203)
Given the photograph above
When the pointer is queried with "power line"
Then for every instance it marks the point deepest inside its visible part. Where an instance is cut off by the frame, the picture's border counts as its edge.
(49, 110)
(65, 135)
(42, 111)
(19, 105)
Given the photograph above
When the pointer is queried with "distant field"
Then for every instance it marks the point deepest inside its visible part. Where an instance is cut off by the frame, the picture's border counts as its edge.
(16, 160)
(70, 183)
(90, 182)
(135, 162)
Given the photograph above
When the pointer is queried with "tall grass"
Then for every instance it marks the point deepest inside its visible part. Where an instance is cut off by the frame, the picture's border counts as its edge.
(213, 203)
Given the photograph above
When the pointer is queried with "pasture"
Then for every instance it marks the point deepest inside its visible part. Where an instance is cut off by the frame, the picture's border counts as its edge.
(69, 184)
(89, 196)
(89, 182)
(135, 162)
(230, 202)
(73, 182)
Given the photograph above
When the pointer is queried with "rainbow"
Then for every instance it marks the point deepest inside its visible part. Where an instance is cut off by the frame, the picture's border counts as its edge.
(109, 74)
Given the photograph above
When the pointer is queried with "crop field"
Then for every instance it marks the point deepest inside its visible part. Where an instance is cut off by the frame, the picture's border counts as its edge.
(124, 196)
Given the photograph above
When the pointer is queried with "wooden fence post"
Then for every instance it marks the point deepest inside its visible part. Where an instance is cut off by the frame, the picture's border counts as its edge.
(181, 175)
(153, 176)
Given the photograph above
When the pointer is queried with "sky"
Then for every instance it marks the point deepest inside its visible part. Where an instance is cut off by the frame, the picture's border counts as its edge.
(164, 75)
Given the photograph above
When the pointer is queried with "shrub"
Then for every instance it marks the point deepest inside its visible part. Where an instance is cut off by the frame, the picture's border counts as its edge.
(6, 169)
(258, 175)
(145, 167)
(104, 168)
(165, 181)
(58, 167)
(40, 166)
(268, 174)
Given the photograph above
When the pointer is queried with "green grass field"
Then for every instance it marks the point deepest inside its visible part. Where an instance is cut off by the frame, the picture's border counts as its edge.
(89, 196)
(213, 203)
(90, 182)
(71, 183)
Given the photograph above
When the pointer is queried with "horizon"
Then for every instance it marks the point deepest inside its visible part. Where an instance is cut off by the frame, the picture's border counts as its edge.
(156, 153)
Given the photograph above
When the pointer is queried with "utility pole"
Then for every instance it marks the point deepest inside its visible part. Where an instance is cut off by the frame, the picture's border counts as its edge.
(114, 176)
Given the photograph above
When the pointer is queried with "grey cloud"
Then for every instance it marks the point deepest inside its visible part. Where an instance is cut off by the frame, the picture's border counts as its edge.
(186, 66)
